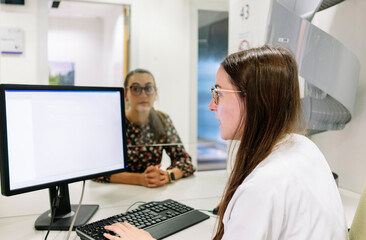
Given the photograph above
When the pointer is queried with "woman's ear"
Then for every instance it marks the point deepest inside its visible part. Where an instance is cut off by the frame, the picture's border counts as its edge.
(126, 98)
(127, 104)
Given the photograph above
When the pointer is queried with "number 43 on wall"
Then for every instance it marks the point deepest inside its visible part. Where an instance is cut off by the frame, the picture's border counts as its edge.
(244, 13)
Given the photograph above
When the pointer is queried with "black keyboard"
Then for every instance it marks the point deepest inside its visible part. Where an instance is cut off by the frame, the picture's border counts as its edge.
(160, 219)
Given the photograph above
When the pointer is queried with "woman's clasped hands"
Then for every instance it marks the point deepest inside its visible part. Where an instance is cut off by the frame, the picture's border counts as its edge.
(153, 176)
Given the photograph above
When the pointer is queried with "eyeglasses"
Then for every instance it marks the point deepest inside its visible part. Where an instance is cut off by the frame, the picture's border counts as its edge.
(215, 94)
(137, 90)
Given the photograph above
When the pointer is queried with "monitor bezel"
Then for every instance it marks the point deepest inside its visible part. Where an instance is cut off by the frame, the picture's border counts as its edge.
(4, 166)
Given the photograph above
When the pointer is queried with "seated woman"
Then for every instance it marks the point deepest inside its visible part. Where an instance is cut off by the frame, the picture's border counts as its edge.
(281, 186)
(148, 133)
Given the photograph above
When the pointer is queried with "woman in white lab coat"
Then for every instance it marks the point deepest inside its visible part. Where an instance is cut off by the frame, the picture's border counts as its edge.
(281, 186)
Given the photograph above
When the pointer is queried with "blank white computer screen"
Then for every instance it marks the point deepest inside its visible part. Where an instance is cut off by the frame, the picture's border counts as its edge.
(56, 135)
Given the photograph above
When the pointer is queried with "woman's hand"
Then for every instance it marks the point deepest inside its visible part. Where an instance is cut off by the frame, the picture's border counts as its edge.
(153, 176)
(126, 231)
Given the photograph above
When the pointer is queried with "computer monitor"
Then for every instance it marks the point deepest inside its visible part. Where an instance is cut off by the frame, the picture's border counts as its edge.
(51, 136)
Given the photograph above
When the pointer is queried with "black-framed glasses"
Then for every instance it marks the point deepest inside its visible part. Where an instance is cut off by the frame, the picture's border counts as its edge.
(215, 93)
(137, 90)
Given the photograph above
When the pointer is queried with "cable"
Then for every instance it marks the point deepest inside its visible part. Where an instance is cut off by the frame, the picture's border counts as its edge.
(55, 204)
(76, 212)
(205, 210)
(134, 204)
(209, 211)
(156, 145)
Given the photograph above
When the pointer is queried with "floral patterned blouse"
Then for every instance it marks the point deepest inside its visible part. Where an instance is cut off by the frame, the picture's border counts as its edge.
(144, 150)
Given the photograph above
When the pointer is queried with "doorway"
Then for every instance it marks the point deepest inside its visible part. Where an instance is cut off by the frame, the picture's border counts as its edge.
(88, 42)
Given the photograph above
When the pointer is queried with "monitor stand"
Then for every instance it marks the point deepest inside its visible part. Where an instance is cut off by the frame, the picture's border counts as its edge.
(64, 212)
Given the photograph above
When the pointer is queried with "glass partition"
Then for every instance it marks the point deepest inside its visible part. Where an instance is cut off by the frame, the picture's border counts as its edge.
(212, 48)
(96, 43)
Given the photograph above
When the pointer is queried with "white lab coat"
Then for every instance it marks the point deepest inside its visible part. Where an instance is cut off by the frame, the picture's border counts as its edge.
(290, 195)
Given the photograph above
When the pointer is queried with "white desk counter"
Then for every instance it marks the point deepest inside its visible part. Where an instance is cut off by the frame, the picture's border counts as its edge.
(201, 191)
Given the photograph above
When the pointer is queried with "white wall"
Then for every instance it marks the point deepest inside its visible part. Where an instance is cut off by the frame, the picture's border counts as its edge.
(345, 150)
(248, 22)
(31, 66)
(113, 38)
(79, 41)
(94, 44)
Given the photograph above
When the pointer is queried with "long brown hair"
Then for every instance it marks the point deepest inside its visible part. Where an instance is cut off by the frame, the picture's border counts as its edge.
(268, 76)
(156, 118)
